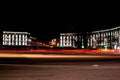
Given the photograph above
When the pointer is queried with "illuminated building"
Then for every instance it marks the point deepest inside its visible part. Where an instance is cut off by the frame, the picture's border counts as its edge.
(101, 38)
(73, 40)
(11, 38)
(53, 42)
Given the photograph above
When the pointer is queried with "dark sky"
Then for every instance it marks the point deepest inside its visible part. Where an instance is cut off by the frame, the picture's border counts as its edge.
(47, 23)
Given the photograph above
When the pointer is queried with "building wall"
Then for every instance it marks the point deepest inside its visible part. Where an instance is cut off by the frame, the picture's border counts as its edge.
(73, 40)
(11, 38)
(108, 37)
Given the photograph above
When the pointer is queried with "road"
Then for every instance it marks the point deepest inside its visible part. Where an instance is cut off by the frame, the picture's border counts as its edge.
(38, 66)
(64, 70)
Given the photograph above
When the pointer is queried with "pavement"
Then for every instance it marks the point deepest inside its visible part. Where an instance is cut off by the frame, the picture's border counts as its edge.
(69, 70)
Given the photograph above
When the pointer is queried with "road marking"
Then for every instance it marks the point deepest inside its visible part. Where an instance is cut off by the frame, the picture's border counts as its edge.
(95, 65)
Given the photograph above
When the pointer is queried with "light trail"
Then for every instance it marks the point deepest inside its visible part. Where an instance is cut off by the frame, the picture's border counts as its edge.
(66, 51)
(54, 56)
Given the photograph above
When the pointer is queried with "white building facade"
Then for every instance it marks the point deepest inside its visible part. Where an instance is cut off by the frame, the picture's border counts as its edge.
(107, 37)
(72, 40)
(11, 38)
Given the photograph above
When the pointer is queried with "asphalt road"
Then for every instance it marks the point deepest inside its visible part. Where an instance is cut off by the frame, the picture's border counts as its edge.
(30, 66)
(62, 70)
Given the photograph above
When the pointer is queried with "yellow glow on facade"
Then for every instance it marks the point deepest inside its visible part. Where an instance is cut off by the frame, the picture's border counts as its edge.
(58, 44)
(51, 46)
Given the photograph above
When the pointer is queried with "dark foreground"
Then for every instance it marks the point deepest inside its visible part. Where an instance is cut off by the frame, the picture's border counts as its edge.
(43, 69)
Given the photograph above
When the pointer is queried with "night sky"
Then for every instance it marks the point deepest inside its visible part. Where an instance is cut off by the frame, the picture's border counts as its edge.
(48, 23)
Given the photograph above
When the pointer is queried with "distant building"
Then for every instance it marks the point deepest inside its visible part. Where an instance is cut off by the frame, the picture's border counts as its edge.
(73, 40)
(104, 38)
(11, 38)
(53, 42)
